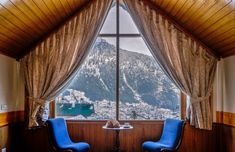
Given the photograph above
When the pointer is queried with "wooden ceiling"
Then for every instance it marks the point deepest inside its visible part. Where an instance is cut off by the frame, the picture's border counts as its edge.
(23, 23)
(210, 21)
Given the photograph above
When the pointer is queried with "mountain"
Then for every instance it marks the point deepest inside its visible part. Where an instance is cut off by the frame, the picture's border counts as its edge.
(141, 78)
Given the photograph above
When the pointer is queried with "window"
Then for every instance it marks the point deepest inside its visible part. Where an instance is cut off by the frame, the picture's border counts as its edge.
(120, 79)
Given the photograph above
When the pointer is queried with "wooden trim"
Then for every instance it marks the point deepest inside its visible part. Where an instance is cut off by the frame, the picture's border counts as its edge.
(52, 109)
(183, 105)
(226, 118)
(11, 117)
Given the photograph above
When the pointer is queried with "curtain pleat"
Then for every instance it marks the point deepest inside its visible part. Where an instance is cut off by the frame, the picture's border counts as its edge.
(187, 63)
(53, 63)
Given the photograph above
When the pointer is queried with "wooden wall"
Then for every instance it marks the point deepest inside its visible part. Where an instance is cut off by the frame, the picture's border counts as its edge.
(227, 139)
(16, 137)
(226, 118)
(194, 140)
(10, 138)
(8, 128)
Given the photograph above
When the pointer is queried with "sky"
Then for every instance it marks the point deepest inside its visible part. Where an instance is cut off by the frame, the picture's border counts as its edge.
(127, 26)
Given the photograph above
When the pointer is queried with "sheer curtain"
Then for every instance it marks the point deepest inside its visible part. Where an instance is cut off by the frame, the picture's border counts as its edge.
(51, 65)
(187, 63)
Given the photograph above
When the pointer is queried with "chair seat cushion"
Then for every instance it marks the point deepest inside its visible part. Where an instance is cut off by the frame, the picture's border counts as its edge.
(77, 147)
(154, 146)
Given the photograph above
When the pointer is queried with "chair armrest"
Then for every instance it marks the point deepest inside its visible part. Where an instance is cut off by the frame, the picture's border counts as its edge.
(168, 150)
(66, 150)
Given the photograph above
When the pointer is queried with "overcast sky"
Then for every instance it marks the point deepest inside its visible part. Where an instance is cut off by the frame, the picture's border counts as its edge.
(126, 26)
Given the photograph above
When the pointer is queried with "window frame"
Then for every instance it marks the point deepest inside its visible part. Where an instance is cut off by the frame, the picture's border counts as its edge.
(118, 36)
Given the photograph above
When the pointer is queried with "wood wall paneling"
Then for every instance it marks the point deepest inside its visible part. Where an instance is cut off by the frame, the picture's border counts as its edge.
(194, 140)
(227, 139)
(16, 137)
(11, 117)
(9, 129)
(226, 118)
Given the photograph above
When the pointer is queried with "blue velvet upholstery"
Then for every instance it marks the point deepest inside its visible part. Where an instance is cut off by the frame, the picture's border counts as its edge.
(170, 136)
(61, 139)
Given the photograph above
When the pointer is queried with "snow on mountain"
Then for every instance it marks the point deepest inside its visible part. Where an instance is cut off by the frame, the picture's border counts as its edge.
(141, 79)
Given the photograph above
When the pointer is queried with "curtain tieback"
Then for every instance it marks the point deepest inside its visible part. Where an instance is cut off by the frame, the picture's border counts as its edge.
(38, 101)
(200, 99)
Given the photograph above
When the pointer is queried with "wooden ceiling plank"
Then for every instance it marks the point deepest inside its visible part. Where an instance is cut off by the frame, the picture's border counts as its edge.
(59, 8)
(179, 27)
(208, 15)
(180, 8)
(36, 13)
(226, 51)
(54, 9)
(7, 39)
(158, 2)
(71, 8)
(65, 6)
(191, 12)
(170, 5)
(12, 32)
(230, 46)
(35, 42)
(220, 27)
(24, 16)
(226, 42)
(15, 20)
(39, 12)
(188, 4)
(4, 44)
(7, 23)
(56, 17)
(222, 35)
(196, 19)
(7, 52)
(23, 22)
(228, 54)
(164, 4)
(177, 7)
(72, 3)
(215, 18)
(212, 23)
(47, 13)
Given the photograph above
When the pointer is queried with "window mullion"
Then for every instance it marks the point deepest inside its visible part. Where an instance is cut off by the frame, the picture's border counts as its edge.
(117, 60)
(120, 35)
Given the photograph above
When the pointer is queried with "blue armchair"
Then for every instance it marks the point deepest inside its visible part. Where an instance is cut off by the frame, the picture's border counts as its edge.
(60, 139)
(170, 139)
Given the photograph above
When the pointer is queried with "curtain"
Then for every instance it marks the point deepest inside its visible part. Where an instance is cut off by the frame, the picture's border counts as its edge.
(187, 63)
(52, 64)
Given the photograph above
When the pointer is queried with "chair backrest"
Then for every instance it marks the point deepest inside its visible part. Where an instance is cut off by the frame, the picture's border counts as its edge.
(58, 131)
(172, 132)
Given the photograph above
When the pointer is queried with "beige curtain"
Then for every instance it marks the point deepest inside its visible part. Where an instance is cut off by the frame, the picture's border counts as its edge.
(50, 66)
(185, 61)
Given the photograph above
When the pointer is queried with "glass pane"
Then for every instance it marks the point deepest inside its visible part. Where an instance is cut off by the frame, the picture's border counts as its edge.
(109, 26)
(145, 91)
(91, 95)
(127, 25)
